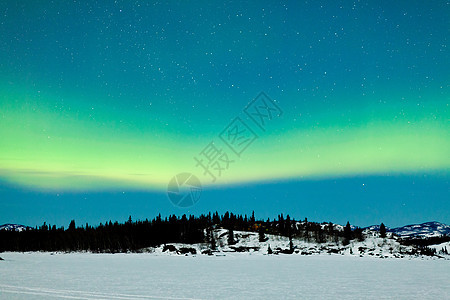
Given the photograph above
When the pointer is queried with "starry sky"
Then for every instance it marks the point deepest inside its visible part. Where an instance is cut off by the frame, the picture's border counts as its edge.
(102, 103)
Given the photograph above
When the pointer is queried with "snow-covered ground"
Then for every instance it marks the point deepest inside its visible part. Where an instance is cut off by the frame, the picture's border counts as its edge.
(234, 276)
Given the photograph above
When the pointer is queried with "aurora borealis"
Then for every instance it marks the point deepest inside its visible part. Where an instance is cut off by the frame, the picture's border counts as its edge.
(107, 99)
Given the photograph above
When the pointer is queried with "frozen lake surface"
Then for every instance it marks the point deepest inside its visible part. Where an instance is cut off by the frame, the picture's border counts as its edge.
(236, 276)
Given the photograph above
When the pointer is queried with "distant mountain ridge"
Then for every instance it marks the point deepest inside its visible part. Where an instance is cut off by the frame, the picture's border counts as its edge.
(424, 230)
(428, 229)
(13, 227)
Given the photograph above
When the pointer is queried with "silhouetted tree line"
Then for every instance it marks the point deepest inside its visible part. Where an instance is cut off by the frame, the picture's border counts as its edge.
(108, 237)
(135, 235)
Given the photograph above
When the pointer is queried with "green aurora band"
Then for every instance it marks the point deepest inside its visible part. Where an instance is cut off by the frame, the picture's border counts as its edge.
(46, 145)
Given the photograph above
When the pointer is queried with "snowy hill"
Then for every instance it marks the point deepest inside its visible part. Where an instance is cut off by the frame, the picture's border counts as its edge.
(371, 245)
(13, 227)
(429, 229)
(248, 242)
(424, 230)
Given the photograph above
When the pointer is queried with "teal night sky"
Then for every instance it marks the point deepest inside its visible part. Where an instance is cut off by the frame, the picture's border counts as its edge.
(101, 104)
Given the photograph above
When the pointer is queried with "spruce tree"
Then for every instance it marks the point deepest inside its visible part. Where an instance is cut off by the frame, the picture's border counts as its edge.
(382, 230)
(288, 226)
(358, 232)
(231, 237)
(213, 242)
(72, 225)
(347, 233)
(262, 236)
